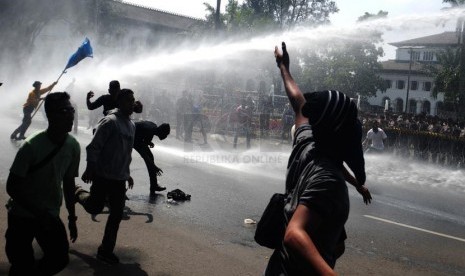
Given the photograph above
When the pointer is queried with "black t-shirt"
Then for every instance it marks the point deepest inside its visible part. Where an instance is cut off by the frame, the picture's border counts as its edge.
(316, 182)
(145, 130)
(106, 101)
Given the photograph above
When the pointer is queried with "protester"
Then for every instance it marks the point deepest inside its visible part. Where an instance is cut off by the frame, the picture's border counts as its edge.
(196, 117)
(108, 160)
(182, 107)
(244, 119)
(145, 130)
(32, 102)
(327, 133)
(188, 122)
(108, 101)
(43, 162)
(376, 136)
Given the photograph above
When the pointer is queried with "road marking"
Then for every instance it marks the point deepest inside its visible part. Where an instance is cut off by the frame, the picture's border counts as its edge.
(415, 228)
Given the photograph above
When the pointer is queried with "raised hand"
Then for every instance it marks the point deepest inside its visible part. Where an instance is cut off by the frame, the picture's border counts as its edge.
(282, 58)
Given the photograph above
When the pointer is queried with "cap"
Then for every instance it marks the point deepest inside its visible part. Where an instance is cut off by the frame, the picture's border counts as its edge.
(36, 83)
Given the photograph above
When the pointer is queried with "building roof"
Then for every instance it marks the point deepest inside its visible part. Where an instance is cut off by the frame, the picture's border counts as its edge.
(157, 17)
(395, 66)
(443, 40)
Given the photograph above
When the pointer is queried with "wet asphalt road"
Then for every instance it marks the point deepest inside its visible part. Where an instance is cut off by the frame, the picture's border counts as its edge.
(417, 217)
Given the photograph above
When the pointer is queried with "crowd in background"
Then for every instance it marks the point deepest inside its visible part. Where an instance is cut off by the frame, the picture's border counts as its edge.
(418, 122)
(421, 137)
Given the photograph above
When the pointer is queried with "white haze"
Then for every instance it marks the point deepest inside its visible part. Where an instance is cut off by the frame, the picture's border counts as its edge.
(94, 74)
(156, 64)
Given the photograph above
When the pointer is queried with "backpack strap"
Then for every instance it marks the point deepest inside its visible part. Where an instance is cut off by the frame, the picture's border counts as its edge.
(49, 157)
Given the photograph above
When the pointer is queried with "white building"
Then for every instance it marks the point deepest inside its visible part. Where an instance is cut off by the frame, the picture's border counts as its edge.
(405, 80)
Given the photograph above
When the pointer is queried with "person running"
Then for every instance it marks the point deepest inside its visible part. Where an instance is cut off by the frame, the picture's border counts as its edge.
(44, 161)
(327, 134)
(33, 100)
(107, 170)
(145, 130)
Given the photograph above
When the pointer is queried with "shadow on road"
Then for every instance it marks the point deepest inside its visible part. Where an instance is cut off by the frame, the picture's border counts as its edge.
(127, 215)
(103, 269)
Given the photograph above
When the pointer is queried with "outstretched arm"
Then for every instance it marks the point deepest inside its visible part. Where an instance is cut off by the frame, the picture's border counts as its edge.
(361, 189)
(47, 89)
(93, 105)
(296, 98)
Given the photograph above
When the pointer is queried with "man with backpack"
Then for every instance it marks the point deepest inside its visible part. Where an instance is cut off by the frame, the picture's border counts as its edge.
(43, 162)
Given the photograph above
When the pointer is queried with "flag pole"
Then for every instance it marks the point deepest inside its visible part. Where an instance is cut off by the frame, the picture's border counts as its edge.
(85, 50)
(41, 100)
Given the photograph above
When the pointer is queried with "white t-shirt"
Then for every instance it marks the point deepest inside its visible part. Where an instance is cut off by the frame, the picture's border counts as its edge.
(377, 138)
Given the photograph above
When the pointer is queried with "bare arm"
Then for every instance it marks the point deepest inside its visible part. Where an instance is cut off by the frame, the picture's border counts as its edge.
(361, 189)
(298, 239)
(92, 105)
(46, 89)
(68, 193)
(296, 98)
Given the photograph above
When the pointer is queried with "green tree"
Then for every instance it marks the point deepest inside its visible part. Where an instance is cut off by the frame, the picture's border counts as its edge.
(370, 16)
(454, 3)
(460, 106)
(289, 13)
(254, 16)
(446, 76)
(348, 65)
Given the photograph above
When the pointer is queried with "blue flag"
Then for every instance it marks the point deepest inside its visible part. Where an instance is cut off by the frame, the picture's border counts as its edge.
(82, 52)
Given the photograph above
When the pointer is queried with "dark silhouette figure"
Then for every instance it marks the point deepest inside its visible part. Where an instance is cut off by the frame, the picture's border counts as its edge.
(33, 100)
(108, 160)
(108, 101)
(327, 134)
(145, 130)
(44, 161)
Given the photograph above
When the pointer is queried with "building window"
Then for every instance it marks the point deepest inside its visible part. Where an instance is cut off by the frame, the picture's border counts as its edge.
(388, 83)
(400, 84)
(428, 56)
(414, 85)
(427, 86)
(415, 55)
(426, 107)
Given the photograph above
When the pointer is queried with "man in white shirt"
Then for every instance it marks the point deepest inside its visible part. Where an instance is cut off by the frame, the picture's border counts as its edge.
(377, 136)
